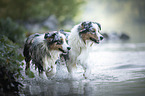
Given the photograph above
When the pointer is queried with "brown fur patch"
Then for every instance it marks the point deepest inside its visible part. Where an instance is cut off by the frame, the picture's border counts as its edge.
(54, 46)
(49, 39)
(86, 36)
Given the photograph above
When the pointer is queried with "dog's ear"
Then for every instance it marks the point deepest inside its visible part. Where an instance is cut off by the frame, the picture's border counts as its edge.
(83, 25)
(50, 36)
(46, 35)
(99, 25)
(86, 24)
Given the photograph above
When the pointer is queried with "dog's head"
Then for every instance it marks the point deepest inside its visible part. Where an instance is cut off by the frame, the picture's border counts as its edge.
(90, 31)
(56, 41)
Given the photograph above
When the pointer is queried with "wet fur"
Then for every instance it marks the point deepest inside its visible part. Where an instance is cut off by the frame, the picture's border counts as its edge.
(44, 50)
(81, 38)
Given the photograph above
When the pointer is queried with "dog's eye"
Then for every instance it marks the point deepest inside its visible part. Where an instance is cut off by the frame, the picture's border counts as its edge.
(93, 30)
(59, 42)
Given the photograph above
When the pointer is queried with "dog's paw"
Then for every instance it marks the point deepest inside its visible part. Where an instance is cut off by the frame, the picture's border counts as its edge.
(29, 73)
(85, 76)
(43, 76)
(51, 73)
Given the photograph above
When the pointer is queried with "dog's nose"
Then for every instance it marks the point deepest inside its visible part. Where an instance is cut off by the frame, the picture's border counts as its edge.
(101, 37)
(68, 48)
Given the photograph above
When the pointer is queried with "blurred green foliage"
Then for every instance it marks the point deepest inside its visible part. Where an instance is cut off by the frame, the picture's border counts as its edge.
(11, 33)
(39, 9)
(10, 67)
(29, 73)
(12, 30)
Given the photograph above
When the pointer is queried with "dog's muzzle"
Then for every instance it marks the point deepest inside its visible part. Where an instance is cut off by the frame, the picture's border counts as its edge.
(68, 48)
(96, 41)
(61, 50)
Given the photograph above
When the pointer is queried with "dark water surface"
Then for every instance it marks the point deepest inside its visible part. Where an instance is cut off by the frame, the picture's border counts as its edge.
(118, 69)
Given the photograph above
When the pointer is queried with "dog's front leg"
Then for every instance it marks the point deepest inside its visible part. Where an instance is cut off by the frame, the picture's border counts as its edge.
(71, 65)
(51, 71)
(43, 75)
(87, 71)
(70, 69)
(82, 60)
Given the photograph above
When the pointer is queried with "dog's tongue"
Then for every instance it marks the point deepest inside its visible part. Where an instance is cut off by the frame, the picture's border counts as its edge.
(97, 42)
(64, 53)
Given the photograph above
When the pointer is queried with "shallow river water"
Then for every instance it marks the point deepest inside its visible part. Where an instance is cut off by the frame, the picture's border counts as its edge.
(118, 69)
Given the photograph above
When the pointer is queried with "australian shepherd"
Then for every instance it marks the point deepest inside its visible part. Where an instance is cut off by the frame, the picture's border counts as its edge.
(44, 50)
(81, 38)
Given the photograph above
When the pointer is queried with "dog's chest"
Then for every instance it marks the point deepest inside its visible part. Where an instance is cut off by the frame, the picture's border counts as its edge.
(50, 61)
(84, 53)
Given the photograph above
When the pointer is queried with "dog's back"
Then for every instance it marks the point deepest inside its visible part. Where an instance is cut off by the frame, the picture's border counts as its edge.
(27, 47)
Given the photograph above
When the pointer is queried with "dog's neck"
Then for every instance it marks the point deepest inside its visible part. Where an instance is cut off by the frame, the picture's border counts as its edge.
(76, 41)
(55, 54)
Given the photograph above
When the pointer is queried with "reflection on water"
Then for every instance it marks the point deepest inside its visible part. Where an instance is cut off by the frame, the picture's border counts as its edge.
(118, 69)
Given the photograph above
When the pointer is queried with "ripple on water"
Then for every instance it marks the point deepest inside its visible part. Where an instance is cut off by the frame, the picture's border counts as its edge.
(116, 69)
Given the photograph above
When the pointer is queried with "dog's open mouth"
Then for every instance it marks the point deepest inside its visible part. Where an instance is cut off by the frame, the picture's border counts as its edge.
(96, 41)
(64, 52)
